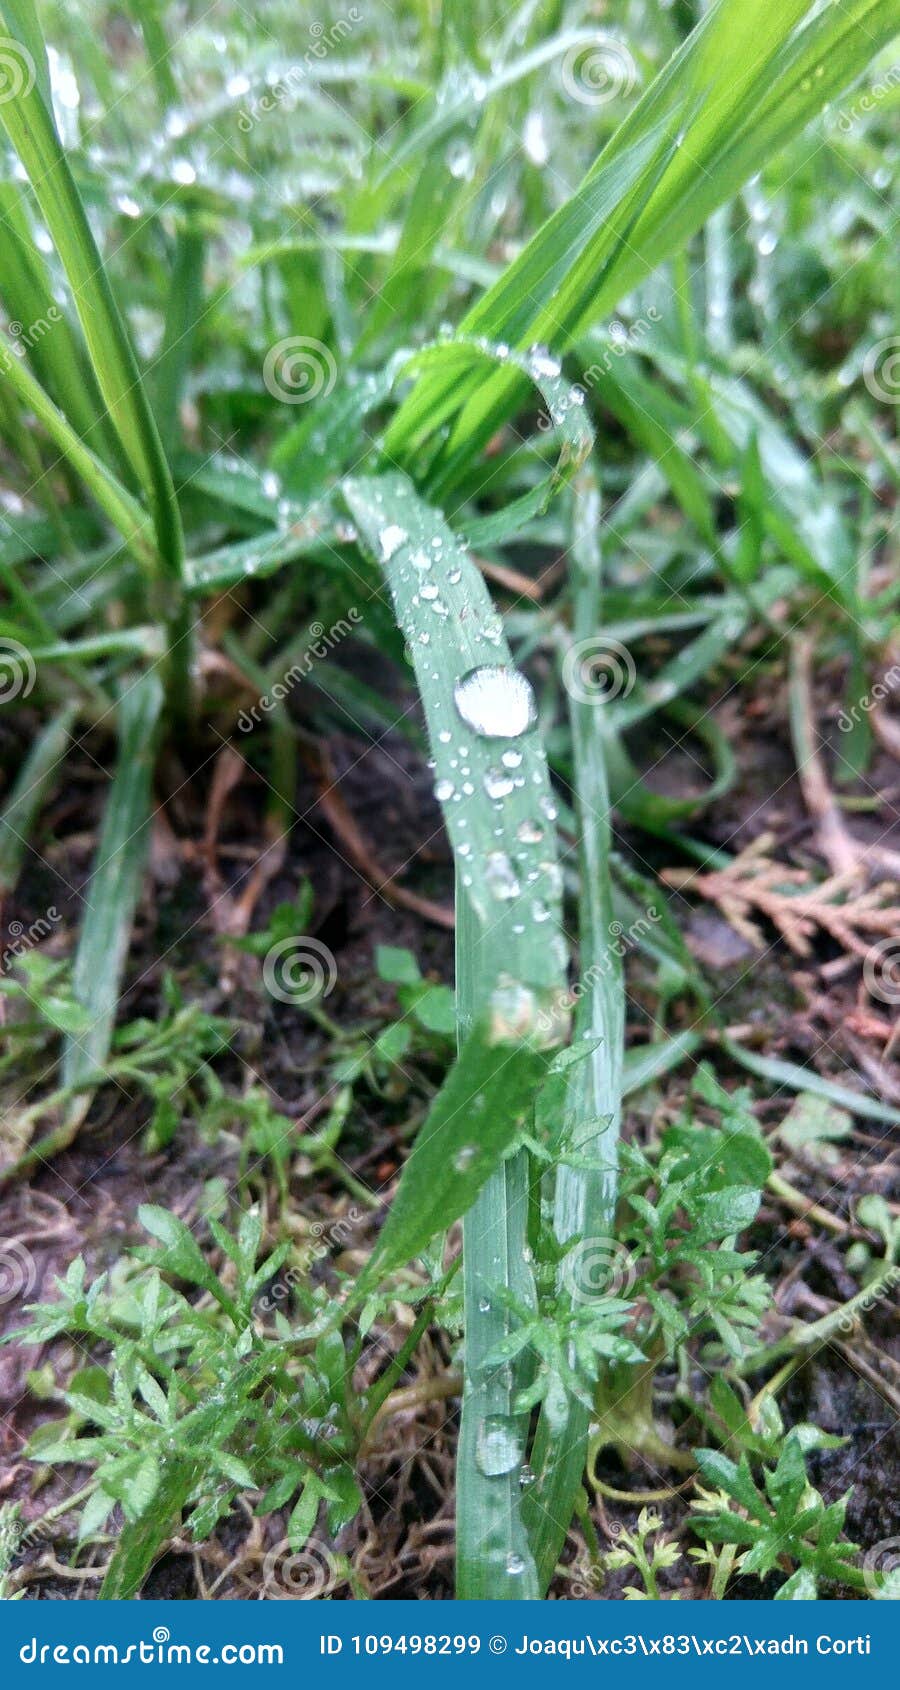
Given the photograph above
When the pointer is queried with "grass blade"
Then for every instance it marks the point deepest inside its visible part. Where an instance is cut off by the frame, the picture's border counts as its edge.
(585, 1199)
(114, 887)
(491, 779)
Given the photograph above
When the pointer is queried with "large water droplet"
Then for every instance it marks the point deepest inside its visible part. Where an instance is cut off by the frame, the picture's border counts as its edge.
(390, 540)
(514, 1564)
(497, 702)
(497, 1446)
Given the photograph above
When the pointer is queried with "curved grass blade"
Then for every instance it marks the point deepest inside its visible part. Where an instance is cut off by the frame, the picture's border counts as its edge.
(492, 782)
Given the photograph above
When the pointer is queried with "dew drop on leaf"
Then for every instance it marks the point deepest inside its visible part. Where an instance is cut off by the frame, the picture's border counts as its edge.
(495, 701)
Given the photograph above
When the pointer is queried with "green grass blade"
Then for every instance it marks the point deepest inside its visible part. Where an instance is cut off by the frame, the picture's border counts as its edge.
(741, 86)
(585, 1198)
(123, 510)
(114, 885)
(511, 958)
(30, 128)
(35, 779)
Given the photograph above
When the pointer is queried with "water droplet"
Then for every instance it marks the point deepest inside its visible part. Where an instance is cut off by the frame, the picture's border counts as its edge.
(529, 832)
(445, 736)
(390, 540)
(495, 701)
(526, 1477)
(767, 243)
(500, 876)
(183, 172)
(497, 1446)
(484, 1305)
(460, 161)
(443, 791)
(511, 759)
(514, 1564)
(497, 784)
(548, 807)
(465, 1157)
